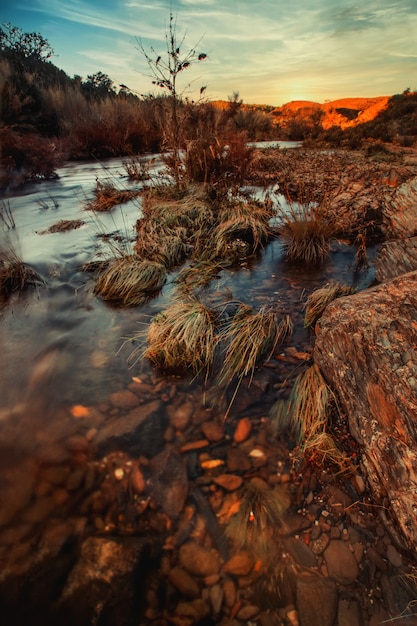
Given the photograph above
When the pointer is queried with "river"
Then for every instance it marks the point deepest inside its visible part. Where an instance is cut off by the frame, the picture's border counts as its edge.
(64, 351)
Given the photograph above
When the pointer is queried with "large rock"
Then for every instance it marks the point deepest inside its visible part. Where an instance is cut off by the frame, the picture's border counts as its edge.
(395, 258)
(102, 586)
(400, 214)
(366, 348)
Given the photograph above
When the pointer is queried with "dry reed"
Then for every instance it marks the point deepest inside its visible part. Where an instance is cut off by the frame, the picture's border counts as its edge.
(320, 298)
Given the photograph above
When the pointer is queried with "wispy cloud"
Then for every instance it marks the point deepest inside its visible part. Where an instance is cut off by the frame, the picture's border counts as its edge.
(268, 51)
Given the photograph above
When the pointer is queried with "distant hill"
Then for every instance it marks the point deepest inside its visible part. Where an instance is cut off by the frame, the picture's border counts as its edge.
(345, 112)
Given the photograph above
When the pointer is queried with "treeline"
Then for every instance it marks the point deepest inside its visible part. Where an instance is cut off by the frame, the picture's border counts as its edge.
(47, 117)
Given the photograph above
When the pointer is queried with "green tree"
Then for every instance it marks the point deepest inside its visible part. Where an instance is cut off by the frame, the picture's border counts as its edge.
(165, 70)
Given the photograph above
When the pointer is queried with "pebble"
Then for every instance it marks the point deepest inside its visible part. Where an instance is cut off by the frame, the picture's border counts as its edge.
(181, 416)
(216, 598)
(394, 556)
(237, 460)
(243, 430)
(240, 564)
(229, 482)
(341, 563)
(212, 430)
(318, 546)
(184, 582)
(198, 560)
(230, 592)
(124, 400)
(247, 612)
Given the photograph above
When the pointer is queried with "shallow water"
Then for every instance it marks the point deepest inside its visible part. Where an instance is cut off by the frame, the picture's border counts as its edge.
(61, 347)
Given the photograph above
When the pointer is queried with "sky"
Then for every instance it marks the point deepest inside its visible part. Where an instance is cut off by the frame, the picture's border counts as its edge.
(268, 51)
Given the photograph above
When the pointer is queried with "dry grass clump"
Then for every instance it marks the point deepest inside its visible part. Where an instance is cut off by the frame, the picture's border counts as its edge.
(15, 275)
(200, 274)
(307, 233)
(242, 227)
(183, 337)
(168, 247)
(250, 338)
(260, 513)
(182, 221)
(306, 415)
(107, 197)
(63, 226)
(137, 168)
(320, 298)
(130, 281)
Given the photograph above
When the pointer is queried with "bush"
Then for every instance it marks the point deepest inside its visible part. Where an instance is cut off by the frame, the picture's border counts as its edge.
(26, 157)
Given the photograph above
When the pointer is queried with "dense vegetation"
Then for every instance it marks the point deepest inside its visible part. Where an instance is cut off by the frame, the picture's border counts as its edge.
(47, 117)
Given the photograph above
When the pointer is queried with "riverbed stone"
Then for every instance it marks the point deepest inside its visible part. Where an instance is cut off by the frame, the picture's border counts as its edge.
(341, 563)
(229, 482)
(395, 258)
(140, 431)
(198, 560)
(243, 430)
(237, 460)
(212, 430)
(180, 416)
(124, 399)
(349, 613)
(169, 481)
(185, 583)
(240, 564)
(317, 600)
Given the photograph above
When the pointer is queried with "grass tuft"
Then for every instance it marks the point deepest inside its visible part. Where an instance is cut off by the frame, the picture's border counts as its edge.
(320, 298)
(260, 513)
(107, 197)
(250, 338)
(307, 233)
(130, 281)
(183, 337)
(242, 229)
(15, 275)
(306, 414)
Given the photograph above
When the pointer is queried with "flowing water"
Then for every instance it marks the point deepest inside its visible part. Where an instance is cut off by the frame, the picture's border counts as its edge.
(62, 349)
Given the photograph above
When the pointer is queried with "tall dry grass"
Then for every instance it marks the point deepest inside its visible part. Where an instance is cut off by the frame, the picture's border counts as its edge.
(306, 414)
(320, 298)
(307, 232)
(130, 281)
(183, 337)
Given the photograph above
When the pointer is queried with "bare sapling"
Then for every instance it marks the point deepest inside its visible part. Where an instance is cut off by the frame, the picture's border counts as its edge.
(165, 70)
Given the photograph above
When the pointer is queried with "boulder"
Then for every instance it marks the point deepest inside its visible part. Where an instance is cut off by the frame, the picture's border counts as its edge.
(366, 348)
(102, 586)
(400, 213)
(395, 258)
